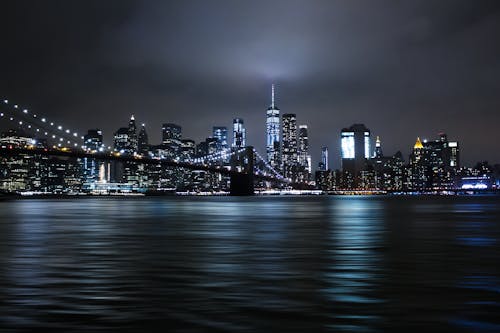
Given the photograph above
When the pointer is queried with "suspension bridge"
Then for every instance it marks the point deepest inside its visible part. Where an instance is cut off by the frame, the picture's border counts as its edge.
(247, 165)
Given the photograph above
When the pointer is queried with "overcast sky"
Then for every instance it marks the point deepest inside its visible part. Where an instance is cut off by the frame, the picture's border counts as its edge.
(403, 68)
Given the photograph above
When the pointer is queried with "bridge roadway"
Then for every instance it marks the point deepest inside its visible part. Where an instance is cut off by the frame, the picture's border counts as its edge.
(241, 181)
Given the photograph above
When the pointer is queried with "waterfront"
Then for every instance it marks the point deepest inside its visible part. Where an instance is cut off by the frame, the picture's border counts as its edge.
(254, 264)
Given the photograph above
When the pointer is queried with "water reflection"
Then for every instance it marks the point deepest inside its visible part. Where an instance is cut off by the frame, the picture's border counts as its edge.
(478, 235)
(259, 264)
(354, 274)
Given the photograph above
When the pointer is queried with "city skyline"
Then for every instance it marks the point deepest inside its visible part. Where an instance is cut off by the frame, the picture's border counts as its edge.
(333, 67)
(371, 146)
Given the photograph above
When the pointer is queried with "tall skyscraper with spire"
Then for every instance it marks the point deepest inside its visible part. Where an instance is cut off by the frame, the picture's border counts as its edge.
(273, 149)
(132, 134)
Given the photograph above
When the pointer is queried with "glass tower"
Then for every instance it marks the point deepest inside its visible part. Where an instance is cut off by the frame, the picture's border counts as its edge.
(273, 150)
(220, 133)
(324, 159)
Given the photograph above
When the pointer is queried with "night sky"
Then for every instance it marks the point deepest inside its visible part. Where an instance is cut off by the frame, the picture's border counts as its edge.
(403, 68)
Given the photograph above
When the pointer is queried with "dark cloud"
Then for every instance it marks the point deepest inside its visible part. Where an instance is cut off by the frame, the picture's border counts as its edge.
(405, 69)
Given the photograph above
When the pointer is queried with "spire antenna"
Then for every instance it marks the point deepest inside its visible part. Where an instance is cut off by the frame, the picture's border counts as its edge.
(272, 95)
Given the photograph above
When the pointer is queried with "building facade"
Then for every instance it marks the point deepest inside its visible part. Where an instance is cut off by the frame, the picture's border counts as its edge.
(239, 133)
(355, 146)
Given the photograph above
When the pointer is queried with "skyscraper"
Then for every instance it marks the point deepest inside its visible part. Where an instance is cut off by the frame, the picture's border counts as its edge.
(93, 140)
(121, 140)
(434, 163)
(91, 168)
(303, 149)
(418, 174)
(273, 133)
(239, 133)
(290, 147)
(323, 165)
(355, 145)
(143, 141)
(378, 159)
(220, 133)
(132, 135)
(171, 133)
(378, 148)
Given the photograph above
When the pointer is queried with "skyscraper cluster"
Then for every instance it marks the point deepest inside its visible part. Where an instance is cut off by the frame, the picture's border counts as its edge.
(433, 165)
(291, 154)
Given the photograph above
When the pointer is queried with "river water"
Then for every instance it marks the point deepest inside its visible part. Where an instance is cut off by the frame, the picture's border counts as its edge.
(257, 264)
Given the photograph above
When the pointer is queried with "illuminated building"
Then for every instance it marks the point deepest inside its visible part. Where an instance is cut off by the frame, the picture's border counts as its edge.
(171, 142)
(239, 133)
(417, 171)
(92, 168)
(390, 172)
(273, 149)
(125, 142)
(143, 141)
(93, 140)
(188, 149)
(378, 149)
(125, 139)
(171, 133)
(378, 160)
(434, 164)
(132, 135)
(220, 133)
(207, 147)
(303, 154)
(34, 172)
(452, 157)
(15, 170)
(323, 164)
(290, 149)
(121, 140)
(355, 146)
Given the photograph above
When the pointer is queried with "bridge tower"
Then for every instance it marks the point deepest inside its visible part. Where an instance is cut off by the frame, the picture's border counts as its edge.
(242, 183)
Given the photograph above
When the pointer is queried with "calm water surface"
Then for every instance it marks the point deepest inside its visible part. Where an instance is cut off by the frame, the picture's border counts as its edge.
(261, 264)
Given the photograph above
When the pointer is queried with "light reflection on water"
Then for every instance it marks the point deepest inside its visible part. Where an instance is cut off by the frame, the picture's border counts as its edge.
(289, 264)
(356, 233)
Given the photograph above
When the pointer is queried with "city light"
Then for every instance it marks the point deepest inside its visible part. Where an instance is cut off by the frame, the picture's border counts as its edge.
(218, 158)
(347, 145)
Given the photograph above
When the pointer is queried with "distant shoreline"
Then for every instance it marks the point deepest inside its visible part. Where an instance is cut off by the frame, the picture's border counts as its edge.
(19, 196)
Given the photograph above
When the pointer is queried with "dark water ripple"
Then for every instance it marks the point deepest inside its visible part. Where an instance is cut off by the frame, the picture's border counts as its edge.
(263, 264)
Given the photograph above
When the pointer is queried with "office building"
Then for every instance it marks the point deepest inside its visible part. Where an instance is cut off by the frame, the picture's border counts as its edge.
(323, 164)
(93, 140)
(132, 135)
(355, 146)
(142, 141)
(121, 140)
(171, 133)
(220, 133)
(303, 148)
(290, 146)
(239, 133)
